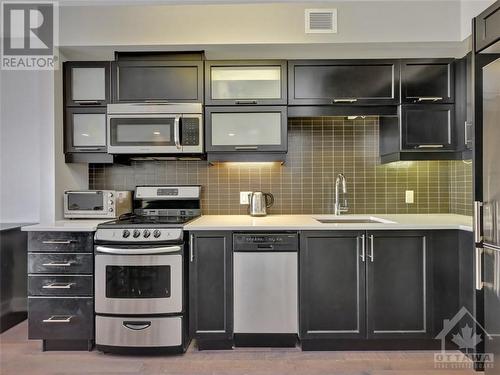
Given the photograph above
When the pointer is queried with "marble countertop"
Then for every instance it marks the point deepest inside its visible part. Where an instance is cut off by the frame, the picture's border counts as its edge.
(8, 226)
(76, 225)
(308, 222)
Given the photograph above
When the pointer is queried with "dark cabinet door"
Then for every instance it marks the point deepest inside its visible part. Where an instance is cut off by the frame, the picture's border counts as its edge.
(252, 82)
(157, 81)
(491, 288)
(246, 129)
(332, 285)
(427, 81)
(487, 27)
(427, 127)
(397, 285)
(343, 82)
(210, 285)
(87, 83)
(85, 129)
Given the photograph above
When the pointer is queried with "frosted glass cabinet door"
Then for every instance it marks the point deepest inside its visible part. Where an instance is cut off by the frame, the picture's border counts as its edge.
(246, 129)
(243, 83)
(87, 83)
(86, 130)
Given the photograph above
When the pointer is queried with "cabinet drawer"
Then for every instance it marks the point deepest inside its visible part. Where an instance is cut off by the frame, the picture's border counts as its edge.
(60, 263)
(60, 285)
(60, 318)
(80, 242)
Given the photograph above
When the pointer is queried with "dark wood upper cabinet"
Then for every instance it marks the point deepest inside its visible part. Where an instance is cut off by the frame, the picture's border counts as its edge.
(427, 127)
(87, 83)
(428, 81)
(398, 289)
(157, 81)
(488, 27)
(85, 130)
(252, 82)
(341, 82)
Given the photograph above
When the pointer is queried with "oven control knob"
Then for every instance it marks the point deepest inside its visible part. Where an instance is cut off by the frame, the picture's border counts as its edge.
(146, 233)
(126, 233)
(156, 233)
(137, 233)
(111, 202)
(110, 209)
(111, 195)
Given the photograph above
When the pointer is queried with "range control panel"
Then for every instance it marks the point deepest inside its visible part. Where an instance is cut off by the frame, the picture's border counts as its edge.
(131, 235)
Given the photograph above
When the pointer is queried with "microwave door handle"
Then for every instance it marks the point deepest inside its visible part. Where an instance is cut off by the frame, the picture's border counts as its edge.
(177, 139)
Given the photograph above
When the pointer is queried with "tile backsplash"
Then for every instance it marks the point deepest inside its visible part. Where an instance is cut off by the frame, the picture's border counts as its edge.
(318, 149)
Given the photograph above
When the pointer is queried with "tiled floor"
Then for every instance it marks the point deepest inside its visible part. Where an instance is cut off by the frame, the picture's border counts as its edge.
(20, 357)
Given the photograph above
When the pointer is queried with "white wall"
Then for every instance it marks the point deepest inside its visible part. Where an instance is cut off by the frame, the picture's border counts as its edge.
(33, 174)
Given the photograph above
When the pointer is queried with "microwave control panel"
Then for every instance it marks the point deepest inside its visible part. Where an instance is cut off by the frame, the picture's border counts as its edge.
(190, 132)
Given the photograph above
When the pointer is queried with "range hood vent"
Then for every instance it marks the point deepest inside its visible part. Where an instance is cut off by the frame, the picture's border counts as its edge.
(320, 21)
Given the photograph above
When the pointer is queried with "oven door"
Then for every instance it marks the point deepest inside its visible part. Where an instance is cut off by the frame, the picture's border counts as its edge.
(130, 281)
(144, 134)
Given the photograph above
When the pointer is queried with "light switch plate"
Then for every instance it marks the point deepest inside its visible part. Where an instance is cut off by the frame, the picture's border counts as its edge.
(244, 197)
(409, 197)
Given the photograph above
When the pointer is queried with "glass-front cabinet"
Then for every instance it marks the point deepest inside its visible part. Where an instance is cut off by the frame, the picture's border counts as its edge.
(246, 129)
(87, 83)
(260, 82)
(85, 129)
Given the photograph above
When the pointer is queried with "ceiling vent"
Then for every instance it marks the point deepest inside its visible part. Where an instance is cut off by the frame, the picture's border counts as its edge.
(321, 21)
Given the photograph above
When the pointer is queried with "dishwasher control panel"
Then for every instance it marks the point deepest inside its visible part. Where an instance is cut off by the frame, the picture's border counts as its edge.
(283, 241)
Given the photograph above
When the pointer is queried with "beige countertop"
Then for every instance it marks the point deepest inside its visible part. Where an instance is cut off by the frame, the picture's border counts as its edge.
(308, 222)
(75, 225)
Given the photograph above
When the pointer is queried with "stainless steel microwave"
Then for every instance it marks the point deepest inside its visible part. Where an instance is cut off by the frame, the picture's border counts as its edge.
(96, 204)
(167, 128)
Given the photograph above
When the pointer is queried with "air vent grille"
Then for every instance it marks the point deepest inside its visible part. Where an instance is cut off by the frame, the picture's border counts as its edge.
(320, 21)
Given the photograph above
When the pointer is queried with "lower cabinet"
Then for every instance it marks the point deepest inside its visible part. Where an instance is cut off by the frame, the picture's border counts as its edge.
(363, 285)
(60, 289)
(210, 289)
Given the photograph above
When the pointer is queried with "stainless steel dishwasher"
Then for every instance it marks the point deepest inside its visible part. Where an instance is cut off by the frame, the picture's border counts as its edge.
(265, 289)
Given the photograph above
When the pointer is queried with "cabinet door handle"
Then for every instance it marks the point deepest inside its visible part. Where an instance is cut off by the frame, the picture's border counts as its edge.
(466, 135)
(363, 247)
(88, 102)
(345, 100)
(477, 221)
(58, 286)
(430, 146)
(58, 242)
(191, 248)
(245, 102)
(372, 252)
(429, 98)
(246, 147)
(58, 319)
(58, 264)
(87, 148)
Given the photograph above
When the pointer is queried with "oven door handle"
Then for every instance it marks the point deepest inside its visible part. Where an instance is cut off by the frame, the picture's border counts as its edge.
(143, 251)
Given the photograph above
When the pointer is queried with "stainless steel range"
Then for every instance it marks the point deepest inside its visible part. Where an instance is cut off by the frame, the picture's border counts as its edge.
(140, 273)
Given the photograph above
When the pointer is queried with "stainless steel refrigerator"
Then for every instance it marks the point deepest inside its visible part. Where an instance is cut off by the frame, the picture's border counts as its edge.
(491, 211)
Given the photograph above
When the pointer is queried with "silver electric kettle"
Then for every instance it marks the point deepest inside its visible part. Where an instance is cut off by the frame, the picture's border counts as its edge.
(259, 202)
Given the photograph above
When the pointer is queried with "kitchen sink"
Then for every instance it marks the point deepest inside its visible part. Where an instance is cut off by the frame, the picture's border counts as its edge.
(352, 220)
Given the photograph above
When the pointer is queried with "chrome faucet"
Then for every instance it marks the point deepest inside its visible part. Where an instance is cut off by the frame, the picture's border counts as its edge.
(338, 208)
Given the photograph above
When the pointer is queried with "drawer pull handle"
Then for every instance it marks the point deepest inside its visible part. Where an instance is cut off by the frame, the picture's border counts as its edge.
(136, 326)
(430, 146)
(58, 286)
(59, 319)
(58, 242)
(429, 98)
(345, 100)
(58, 264)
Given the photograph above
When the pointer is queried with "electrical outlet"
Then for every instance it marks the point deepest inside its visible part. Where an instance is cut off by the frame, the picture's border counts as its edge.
(244, 197)
(409, 197)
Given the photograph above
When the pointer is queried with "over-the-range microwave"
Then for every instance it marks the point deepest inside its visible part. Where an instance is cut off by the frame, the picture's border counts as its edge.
(144, 128)
(97, 204)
